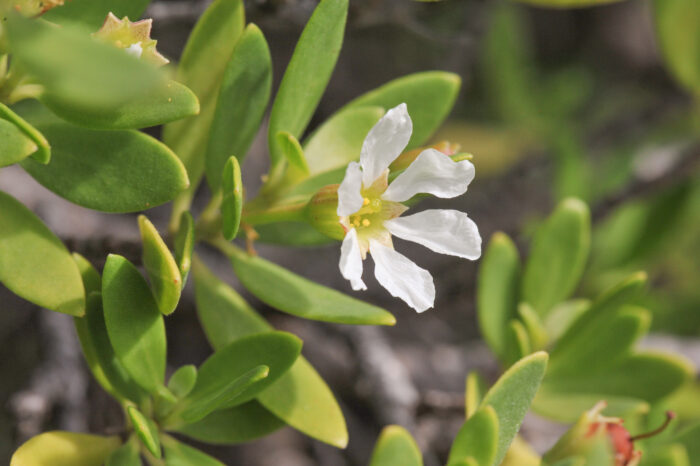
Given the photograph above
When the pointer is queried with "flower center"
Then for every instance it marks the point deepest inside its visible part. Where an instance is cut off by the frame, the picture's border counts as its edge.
(368, 215)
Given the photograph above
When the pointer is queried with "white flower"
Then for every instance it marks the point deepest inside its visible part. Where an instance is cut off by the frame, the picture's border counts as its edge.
(370, 212)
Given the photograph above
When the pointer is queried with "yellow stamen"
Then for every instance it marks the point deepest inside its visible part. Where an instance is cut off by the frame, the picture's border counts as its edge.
(365, 201)
(365, 222)
(356, 222)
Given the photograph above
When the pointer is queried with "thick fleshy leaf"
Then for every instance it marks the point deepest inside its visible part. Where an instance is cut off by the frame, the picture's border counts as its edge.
(184, 245)
(232, 202)
(679, 39)
(201, 68)
(14, 145)
(690, 439)
(99, 354)
(256, 360)
(300, 397)
(497, 293)
(42, 152)
(58, 448)
(394, 447)
(293, 152)
(241, 104)
(474, 391)
(240, 424)
(402, 278)
(308, 73)
(161, 267)
(111, 171)
(179, 454)
(164, 103)
(221, 396)
(34, 264)
(290, 293)
(478, 439)
(134, 323)
(557, 257)
(669, 455)
(567, 406)
(519, 344)
(182, 381)
(511, 396)
(432, 172)
(145, 429)
(77, 70)
(429, 96)
(92, 13)
(537, 334)
(126, 455)
(441, 230)
(339, 140)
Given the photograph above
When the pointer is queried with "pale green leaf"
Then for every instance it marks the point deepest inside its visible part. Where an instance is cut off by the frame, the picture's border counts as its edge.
(179, 454)
(478, 439)
(395, 447)
(184, 245)
(126, 455)
(679, 39)
(182, 381)
(145, 429)
(163, 272)
(232, 202)
(58, 448)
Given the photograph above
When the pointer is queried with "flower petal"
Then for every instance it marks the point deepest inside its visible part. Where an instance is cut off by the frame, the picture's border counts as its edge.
(402, 278)
(444, 231)
(351, 260)
(434, 173)
(385, 142)
(349, 191)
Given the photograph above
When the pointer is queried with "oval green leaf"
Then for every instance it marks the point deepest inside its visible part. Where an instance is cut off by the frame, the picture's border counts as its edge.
(145, 429)
(241, 103)
(301, 397)
(292, 151)
(184, 245)
(163, 272)
(182, 381)
(14, 146)
(232, 202)
(512, 395)
(34, 264)
(679, 39)
(42, 153)
(111, 171)
(478, 439)
(179, 454)
(164, 103)
(58, 448)
(428, 95)
(394, 447)
(134, 323)
(557, 257)
(497, 292)
(308, 73)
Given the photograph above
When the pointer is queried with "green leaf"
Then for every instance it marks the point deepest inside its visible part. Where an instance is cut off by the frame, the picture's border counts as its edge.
(567, 406)
(111, 171)
(558, 255)
(163, 272)
(34, 264)
(15, 146)
(241, 103)
(182, 381)
(290, 293)
(292, 152)
(339, 140)
(126, 455)
(99, 354)
(92, 13)
(77, 70)
(292, 234)
(511, 396)
(184, 245)
(300, 397)
(668, 455)
(232, 203)
(217, 397)
(690, 439)
(308, 73)
(474, 391)
(679, 39)
(201, 68)
(42, 152)
(243, 358)
(179, 454)
(428, 95)
(92, 282)
(497, 293)
(478, 439)
(537, 334)
(58, 448)
(164, 103)
(134, 323)
(240, 424)
(519, 344)
(601, 344)
(394, 447)
(145, 429)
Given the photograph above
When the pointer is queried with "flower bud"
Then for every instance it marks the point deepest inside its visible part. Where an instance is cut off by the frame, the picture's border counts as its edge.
(322, 212)
(404, 160)
(135, 38)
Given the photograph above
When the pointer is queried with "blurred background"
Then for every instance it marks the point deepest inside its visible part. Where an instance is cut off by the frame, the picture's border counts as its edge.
(554, 103)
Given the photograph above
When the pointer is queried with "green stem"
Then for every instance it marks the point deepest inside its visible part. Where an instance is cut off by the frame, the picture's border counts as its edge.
(293, 212)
